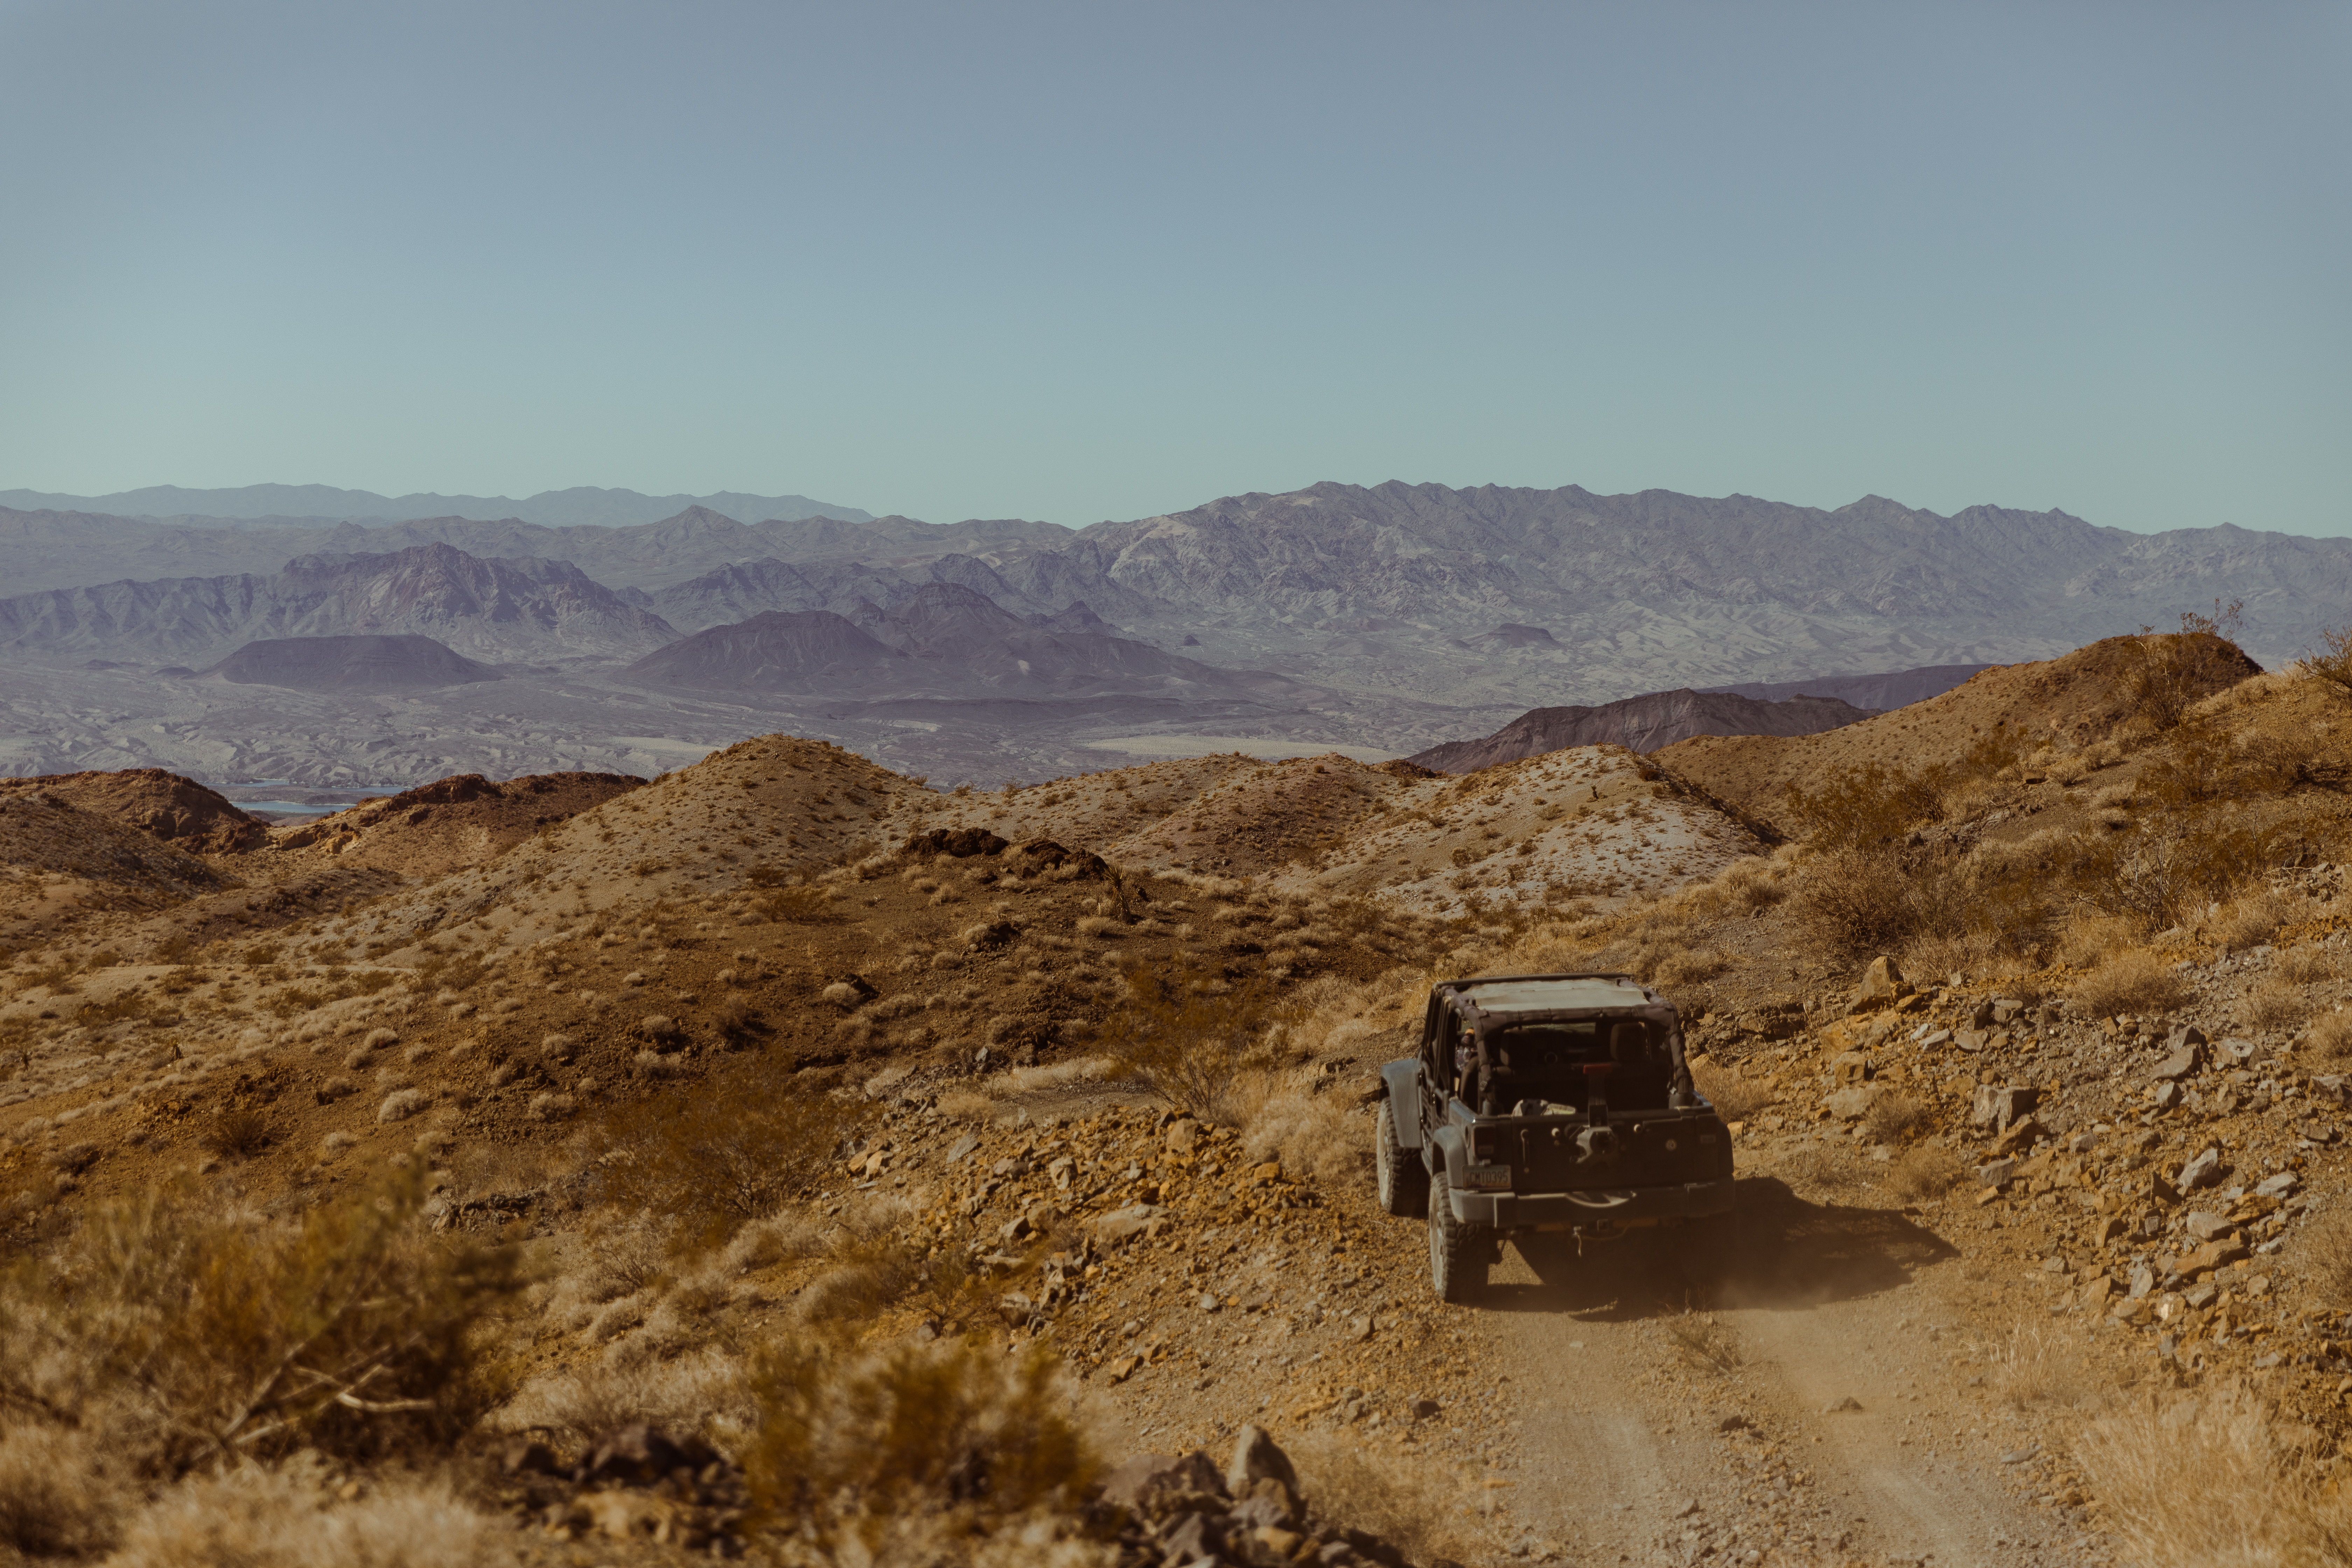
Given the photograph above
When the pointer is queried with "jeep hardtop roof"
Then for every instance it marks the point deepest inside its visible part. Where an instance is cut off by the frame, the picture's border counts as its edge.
(1503, 995)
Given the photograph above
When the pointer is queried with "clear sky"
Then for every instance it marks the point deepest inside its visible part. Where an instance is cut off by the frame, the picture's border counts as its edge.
(1103, 261)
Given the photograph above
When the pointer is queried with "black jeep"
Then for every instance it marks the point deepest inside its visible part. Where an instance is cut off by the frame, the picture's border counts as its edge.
(1545, 1103)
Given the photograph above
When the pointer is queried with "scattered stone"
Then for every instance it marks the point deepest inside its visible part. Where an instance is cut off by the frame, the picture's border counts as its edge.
(2202, 1170)
(1997, 1108)
(2178, 1065)
(2276, 1187)
(1880, 984)
(2205, 1226)
(1139, 1478)
(1840, 1404)
(2019, 1134)
(1852, 1104)
(1257, 1457)
(1183, 1136)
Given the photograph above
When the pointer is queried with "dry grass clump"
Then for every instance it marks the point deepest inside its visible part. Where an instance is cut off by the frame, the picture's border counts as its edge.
(2036, 1368)
(1688, 968)
(2227, 1484)
(1703, 1343)
(872, 1452)
(235, 1134)
(1851, 902)
(680, 1396)
(1346, 1482)
(2249, 919)
(2323, 1252)
(401, 1104)
(1192, 1037)
(2132, 981)
(1283, 1119)
(2088, 940)
(1820, 1168)
(2277, 1003)
(1734, 1097)
(191, 1336)
(1926, 1173)
(2308, 964)
(2331, 1037)
(255, 1517)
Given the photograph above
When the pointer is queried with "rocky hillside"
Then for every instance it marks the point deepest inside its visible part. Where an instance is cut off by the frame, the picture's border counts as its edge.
(1639, 724)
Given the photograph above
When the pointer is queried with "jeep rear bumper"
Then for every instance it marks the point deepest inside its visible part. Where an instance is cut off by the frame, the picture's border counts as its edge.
(1598, 1206)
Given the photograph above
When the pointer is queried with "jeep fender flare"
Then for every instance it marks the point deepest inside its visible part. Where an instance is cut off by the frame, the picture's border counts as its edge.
(1454, 1148)
(1404, 1081)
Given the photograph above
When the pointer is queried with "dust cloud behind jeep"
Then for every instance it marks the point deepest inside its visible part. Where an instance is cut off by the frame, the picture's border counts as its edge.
(1556, 1103)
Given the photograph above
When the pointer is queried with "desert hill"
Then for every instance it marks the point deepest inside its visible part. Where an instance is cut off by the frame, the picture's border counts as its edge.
(2068, 703)
(454, 822)
(180, 811)
(351, 664)
(1640, 724)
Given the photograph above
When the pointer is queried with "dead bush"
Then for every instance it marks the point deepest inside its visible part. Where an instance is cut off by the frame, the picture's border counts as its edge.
(1820, 1168)
(1926, 1172)
(2178, 1482)
(586, 1402)
(2249, 919)
(1852, 902)
(914, 1440)
(1893, 1116)
(722, 1152)
(2331, 660)
(1283, 1119)
(2173, 672)
(1192, 1036)
(202, 1337)
(2308, 964)
(2132, 981)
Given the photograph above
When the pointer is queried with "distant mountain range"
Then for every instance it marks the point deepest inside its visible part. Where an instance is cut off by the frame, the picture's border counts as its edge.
(1878, 693)
(496, 610)
(942, 640)
(583, 505)
(1640, 723)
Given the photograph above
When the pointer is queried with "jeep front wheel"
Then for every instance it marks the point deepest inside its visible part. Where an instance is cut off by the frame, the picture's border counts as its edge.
(1458, 1252)
(1403, 1184)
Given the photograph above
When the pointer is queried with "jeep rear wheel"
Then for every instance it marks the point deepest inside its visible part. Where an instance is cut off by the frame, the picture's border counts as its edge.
(1403, 1184)
(1458, 1252)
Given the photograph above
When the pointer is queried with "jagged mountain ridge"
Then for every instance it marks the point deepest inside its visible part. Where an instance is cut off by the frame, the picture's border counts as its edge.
(1878, 693)
(1641, 723)
(498, 609)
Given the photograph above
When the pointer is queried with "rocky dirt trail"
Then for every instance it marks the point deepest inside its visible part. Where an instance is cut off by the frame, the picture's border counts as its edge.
(1804, 1399)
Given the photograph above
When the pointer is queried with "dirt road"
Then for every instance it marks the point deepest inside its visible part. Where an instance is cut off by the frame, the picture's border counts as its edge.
(1796, 1400)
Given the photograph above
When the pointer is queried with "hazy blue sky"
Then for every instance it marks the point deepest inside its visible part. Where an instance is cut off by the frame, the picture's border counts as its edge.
(1104, 260)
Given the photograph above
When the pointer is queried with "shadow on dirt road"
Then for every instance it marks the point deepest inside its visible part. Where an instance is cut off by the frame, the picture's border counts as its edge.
(1775, 1250)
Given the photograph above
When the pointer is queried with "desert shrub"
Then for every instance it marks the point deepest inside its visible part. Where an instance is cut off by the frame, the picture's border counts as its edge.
(678, 1396)
(2331, 660)
(199, 1336)
(1345, 1482)
(2249, 919)
(2177, 1490)
(2089, 938)
(1190, 1038)
(1734, 1097)
(1686, 968)
(1282, 1119)
(2307, 963)
(1822, 1168)
(2132, 981)
(1926, 1172)
(235, 1134)
(401, 1104)
(1865, 806)
(255, 1517)
(723, 1153)
(1852, 902)
(919, 1438)
(56, 1496)
(2276, 1004)
(2331, 1037)
(2171, 673)
(1894, 1115)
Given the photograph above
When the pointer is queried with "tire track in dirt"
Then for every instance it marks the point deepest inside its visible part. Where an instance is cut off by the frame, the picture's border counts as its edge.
(1634, 1448)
